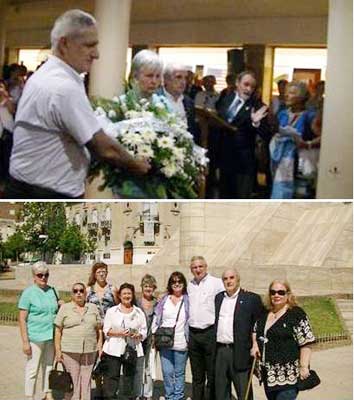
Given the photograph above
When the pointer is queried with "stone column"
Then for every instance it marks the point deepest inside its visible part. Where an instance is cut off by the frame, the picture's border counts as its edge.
(3, 6)
(108, 73)
(259, 58)
(335, 178)
(192, 231)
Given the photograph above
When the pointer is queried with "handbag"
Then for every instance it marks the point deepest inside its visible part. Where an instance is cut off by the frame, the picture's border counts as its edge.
(97, 370)
(130, 355)
(60, 380)
(165, 336)
(310, 382)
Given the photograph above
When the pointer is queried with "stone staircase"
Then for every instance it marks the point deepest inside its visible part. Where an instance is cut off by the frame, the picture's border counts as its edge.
(345, 307)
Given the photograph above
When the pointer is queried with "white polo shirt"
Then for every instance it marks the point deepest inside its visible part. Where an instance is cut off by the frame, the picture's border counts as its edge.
(54, 122)
(202, 301)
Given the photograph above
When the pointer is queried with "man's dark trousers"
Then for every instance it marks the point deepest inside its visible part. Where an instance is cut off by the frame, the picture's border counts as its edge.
(201, 354)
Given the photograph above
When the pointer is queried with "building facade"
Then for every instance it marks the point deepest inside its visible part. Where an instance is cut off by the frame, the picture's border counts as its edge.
(125, 233)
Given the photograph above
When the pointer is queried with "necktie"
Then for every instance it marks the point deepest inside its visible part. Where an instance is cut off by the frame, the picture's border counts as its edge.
(232, 110)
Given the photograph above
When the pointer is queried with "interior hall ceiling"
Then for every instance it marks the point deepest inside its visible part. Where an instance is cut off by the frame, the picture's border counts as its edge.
(148, 11)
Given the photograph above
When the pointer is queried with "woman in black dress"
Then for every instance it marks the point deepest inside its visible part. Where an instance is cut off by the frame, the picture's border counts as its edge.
(281, 340)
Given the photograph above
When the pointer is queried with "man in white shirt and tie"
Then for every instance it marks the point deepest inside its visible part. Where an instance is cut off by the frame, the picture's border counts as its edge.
(236, 312)
(202, 290)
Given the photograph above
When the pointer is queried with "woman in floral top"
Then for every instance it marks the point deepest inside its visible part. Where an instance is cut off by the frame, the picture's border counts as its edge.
(281, 340)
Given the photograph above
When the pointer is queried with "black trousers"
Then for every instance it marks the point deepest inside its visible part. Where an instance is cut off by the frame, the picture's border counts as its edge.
(236, 185)
(111, 373)
(201, 354)
(226, 374)
(21, 190)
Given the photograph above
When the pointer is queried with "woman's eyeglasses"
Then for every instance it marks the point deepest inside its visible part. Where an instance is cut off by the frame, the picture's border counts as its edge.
(41, 276)
(177, 282)
(279, 292)
(101, 272)
(76, 291)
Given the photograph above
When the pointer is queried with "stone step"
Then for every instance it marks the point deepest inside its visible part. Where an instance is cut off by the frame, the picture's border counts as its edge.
(345, 307)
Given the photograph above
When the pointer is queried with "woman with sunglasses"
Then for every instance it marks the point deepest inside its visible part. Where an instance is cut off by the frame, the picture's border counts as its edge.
(281, 341)
(38, 305)
(173, 311)
(78, 336)
(99, 290)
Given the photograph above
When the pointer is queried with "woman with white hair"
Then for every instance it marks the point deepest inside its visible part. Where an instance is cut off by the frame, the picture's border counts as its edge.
(38, 306)
(292, 145)
(146, 74)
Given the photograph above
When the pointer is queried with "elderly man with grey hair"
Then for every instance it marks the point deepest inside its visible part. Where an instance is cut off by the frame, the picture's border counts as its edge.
(55, 128)
(174, 85)
(38, 306)
(236, 312)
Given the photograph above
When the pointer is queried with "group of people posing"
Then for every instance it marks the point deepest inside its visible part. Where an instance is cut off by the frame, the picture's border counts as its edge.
(56, 129)
(217, 324)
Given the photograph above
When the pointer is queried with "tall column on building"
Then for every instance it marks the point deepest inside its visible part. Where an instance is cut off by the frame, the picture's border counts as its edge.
(3, 6)
(192, 231)
(259, 58)
(336, 160)
(108, 73)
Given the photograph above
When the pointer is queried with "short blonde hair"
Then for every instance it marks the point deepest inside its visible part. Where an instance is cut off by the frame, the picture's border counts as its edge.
(148, 280)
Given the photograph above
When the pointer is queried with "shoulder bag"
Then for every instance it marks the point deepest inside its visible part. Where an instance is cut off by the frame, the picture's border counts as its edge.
(165, 336)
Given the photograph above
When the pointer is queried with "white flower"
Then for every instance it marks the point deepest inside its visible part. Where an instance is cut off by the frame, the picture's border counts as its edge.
(160, 105)
(145, 151)
(112, 114)
(165, 142)
(148, 135)
(199, 154)
(100, 111)
(179, 154)
(130, 114)
(116, 99)
(132, 139)
(169, 170)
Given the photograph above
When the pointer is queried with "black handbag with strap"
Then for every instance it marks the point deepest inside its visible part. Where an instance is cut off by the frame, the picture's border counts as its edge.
(60, 380)
(310, 382)
(165, 336)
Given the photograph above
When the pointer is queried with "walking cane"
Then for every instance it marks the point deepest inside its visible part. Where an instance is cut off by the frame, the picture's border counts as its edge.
(250, 379)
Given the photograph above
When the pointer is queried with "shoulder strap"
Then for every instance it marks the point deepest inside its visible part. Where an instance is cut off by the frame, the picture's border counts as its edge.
(179, 311)
(55, 293)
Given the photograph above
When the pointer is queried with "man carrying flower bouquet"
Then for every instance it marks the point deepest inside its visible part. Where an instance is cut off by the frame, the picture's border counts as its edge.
(55, 128)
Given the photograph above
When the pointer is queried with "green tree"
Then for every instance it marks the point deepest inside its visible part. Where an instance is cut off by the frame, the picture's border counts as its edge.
(73, 244)
(44, 224)
(14, 246)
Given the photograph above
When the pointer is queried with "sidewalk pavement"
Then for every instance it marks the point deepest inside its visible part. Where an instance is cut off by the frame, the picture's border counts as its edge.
(334, 366)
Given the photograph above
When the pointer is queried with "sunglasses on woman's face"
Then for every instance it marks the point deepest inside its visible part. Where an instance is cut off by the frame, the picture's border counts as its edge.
(41, 276)
(279, 292)
(177, 282)
(76, 291)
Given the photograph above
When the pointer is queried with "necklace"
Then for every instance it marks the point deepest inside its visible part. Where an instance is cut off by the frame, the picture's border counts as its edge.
(280, 312)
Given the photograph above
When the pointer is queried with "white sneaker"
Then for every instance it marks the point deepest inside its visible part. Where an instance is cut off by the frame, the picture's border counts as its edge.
(161, 398)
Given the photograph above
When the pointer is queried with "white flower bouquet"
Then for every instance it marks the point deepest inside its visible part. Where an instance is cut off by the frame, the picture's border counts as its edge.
(147, 129)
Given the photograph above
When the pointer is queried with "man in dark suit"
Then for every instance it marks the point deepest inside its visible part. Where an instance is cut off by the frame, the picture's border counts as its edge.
(236, 312)
(244, 111)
